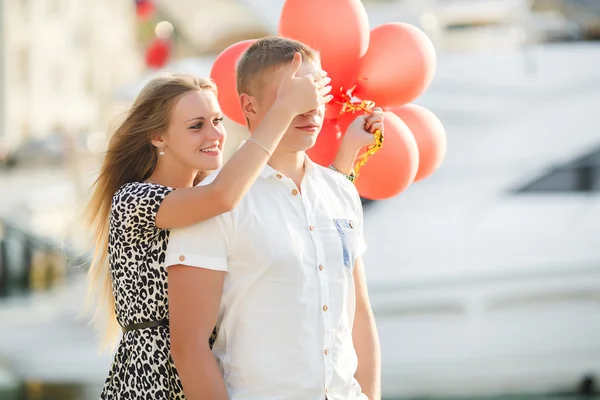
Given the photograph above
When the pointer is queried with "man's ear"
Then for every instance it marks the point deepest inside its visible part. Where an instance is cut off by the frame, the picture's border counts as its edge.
(249, 106)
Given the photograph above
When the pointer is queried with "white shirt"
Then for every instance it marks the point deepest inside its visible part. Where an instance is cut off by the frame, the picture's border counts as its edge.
(285, 323)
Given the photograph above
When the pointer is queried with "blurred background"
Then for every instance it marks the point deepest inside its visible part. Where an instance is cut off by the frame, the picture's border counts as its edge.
(485, 278)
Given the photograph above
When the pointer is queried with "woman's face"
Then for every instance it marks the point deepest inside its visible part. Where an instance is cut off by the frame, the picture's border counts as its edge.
(196, 133)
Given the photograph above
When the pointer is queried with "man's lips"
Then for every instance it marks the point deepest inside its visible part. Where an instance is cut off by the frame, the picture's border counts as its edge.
(308, 127)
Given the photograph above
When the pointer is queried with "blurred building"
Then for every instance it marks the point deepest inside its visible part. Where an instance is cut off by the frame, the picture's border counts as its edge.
(203, 28)
(60, 59)
(208, 26)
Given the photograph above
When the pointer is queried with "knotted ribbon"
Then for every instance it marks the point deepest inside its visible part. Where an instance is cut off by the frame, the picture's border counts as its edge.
(367, 106)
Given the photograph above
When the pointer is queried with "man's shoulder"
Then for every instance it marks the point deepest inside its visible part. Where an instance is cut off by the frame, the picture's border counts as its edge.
(340, 186)
(337, 181)
(253, 191)
(210, 178)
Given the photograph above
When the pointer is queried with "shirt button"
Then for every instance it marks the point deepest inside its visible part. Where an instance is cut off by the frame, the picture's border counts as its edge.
(181, 258)
(295, 192)
(321, 267)
(325, 308)
(279, 176)
(311, 227)
(326, 352)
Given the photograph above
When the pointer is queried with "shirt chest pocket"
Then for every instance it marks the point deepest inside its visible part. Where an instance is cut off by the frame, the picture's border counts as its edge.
(346, 229)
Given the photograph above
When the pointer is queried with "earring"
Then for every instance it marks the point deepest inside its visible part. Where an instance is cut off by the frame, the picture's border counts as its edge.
(161, 153)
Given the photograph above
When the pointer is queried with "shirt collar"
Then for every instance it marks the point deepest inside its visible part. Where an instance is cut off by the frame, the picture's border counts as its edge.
(268, 171)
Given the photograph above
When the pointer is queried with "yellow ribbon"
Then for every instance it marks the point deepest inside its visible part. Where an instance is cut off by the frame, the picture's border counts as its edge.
(372, 149)
(348, 106)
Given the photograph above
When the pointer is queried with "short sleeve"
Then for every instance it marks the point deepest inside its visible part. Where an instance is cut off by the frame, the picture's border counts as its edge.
(204, 245)
(136, 204)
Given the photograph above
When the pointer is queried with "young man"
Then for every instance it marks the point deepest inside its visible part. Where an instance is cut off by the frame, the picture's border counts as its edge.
(281, 276)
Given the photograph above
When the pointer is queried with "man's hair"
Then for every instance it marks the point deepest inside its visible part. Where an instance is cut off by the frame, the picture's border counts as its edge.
(265, 55)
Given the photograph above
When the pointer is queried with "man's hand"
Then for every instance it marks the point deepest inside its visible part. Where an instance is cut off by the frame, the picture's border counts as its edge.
(360, 132)
(358, 135)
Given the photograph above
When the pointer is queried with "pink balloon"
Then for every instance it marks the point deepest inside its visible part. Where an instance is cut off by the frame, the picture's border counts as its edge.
(398, 67)
(224, 74)
(393, 168)
(429, 134)
(338, 29)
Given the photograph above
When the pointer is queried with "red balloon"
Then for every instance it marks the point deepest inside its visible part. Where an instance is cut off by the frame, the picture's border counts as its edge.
(144, 10)
(327, 145)
(429, 134)
(393, 168)
(398, 66)
(338, 29)
(333, 110)
(223, 73)
(157, 54)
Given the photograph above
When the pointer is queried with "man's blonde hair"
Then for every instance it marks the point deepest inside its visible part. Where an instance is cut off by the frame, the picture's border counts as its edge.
(265, 55)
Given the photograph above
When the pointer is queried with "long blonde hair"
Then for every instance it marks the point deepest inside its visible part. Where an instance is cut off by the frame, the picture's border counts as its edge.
(130, 157)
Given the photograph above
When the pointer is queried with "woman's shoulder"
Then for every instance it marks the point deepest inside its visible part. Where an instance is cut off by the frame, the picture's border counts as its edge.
(140, 190)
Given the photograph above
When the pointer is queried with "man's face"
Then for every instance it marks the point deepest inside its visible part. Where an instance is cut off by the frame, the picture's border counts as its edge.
(304, 129)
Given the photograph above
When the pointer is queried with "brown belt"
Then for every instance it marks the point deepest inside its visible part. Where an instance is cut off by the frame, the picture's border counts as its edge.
(145, 325)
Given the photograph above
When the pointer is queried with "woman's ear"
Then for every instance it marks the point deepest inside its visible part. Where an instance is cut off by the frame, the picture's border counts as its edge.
(159, 142)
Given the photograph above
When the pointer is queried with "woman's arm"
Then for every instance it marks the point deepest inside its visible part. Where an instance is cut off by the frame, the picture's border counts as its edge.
(296, 95)
(189, 206)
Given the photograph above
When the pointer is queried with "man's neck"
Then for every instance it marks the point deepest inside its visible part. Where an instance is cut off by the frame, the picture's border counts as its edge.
(291, 164)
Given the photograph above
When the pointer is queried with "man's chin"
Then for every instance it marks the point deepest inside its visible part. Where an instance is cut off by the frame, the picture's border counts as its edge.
(309, 143)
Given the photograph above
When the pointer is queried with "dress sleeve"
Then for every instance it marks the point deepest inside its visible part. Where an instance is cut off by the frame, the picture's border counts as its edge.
(135, 205)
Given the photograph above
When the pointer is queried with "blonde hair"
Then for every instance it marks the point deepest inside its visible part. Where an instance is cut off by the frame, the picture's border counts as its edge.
(264, 55)
(130, 157)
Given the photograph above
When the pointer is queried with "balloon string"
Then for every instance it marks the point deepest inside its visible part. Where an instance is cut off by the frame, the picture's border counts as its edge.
(367, 106)
(372, 149)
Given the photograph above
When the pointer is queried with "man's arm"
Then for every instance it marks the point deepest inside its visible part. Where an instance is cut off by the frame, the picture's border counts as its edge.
(359, 134)
(365, 338)
(197, 262)
(194, 301)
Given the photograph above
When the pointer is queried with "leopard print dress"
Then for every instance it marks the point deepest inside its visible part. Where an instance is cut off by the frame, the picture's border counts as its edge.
(142, 366)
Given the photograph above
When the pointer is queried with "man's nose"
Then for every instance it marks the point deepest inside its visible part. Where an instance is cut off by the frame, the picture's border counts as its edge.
(312, 112)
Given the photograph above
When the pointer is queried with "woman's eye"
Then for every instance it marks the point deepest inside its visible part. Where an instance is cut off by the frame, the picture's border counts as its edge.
(217, 121)
(197, 126)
